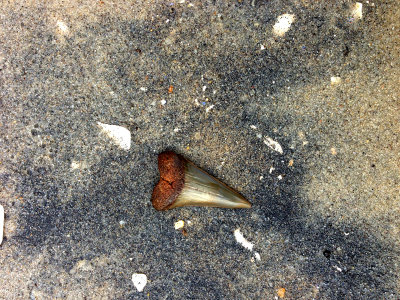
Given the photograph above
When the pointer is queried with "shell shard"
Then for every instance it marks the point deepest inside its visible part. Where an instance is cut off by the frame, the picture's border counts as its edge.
(184, 184)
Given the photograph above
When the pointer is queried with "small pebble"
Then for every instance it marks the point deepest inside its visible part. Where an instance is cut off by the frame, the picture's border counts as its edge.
(335, 80)
(179, 224)
(281, 292)
(337, 268)
(209, 108)
(62, 27)
(283, 24)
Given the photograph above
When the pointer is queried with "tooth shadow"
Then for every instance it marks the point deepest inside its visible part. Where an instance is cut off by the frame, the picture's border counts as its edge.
(342, 260)
(188, 267)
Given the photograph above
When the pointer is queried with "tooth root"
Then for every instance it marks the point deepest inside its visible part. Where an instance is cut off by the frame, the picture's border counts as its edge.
(184, 184)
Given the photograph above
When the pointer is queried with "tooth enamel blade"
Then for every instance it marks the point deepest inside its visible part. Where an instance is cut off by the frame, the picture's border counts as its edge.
(201, 189)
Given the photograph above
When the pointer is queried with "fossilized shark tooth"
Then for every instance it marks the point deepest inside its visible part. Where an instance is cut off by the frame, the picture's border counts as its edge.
(183, 184)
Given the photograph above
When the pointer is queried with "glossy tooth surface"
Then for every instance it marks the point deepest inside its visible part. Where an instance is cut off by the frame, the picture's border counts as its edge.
(184, 184)
(201, 189)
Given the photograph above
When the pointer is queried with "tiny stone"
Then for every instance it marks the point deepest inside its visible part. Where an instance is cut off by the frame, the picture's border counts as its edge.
(179, 224)
(139, 281)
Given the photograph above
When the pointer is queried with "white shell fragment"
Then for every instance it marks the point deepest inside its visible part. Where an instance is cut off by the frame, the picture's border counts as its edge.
(209, 108)
(1, 223)
(139, 281)
(335, 80)
(245, 243)
(356, 11)
(120, 135)
(273, 144)
(283, 24)
(242, 241)
(62, 27)
(78, 165)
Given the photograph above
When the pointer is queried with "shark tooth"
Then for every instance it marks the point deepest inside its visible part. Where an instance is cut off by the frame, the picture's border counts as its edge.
(184, 184)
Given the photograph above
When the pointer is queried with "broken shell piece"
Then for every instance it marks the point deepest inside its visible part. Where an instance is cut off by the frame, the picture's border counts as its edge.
(183, 184)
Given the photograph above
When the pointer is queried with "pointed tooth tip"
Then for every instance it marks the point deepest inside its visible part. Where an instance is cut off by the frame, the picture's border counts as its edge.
(184, 184)
(246, 204)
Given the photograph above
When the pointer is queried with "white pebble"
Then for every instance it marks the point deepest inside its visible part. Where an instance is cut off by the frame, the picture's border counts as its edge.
(139, 281)
(209, 108)
(335, 80)
(283, 24)
(163, 102)
(337, 268)
(179, 224)
(62, 27)
(143, 89)
(78, 165)
(75, 165)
